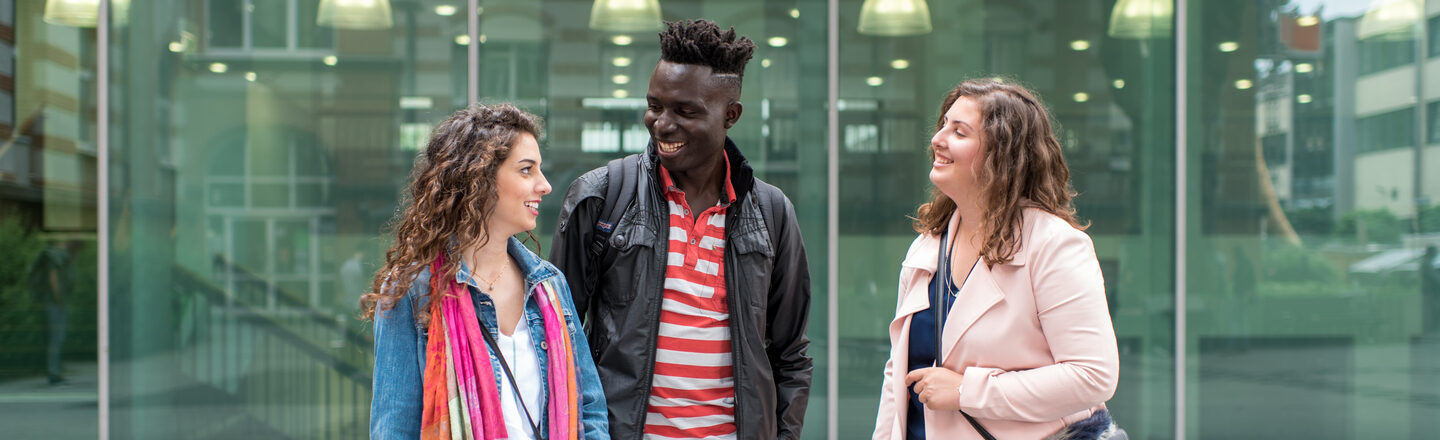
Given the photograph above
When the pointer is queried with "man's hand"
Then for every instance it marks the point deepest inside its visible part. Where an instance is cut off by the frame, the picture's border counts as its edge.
(939, 388)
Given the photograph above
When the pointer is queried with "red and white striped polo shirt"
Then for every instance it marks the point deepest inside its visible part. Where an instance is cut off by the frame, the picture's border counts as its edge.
(693, 393)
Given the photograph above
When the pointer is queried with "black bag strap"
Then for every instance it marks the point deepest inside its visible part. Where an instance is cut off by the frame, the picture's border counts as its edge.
(946, 283)
(623, 174)
(942, 270)
(495, 347)
(771, 204)
(978, 428)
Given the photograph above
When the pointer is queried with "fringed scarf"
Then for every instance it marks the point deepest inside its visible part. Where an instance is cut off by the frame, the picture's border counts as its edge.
(462, 398)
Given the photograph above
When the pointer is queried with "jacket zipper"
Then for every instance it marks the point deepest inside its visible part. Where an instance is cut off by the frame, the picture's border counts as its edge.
(658, 266)
(735, 343)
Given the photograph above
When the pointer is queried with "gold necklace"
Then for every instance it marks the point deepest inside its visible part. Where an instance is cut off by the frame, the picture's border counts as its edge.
(490, 284)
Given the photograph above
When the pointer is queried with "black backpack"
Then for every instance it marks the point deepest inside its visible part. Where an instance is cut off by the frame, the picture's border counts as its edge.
(623, 173)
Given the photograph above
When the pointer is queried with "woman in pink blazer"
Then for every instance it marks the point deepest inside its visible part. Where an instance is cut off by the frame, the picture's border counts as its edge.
(1024, 348)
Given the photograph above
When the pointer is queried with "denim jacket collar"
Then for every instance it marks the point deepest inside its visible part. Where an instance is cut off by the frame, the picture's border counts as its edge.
(531, 265)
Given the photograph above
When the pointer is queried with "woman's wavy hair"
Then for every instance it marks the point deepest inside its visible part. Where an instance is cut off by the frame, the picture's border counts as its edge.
(449, 199)
(1022, 166)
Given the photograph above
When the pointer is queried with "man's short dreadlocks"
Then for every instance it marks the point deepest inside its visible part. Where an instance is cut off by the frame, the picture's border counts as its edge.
(702, 43)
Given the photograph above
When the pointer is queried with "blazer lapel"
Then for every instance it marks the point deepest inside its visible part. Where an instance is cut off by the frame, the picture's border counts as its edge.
(976, 297)
(922, 261)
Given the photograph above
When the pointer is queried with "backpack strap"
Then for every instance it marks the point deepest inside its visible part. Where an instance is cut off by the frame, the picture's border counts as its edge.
(623, 174)
(771, 203)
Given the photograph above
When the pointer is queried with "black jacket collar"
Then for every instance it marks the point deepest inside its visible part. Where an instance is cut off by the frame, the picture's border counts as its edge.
(742, 177)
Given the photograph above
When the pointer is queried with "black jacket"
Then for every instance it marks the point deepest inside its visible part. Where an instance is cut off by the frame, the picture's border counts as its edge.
(767, 284)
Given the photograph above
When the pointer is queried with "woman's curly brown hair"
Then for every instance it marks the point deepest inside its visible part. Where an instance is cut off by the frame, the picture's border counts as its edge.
(450, 197)
(1022, 167)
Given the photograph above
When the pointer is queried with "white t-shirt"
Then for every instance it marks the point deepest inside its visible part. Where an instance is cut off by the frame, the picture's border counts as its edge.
(520, 353)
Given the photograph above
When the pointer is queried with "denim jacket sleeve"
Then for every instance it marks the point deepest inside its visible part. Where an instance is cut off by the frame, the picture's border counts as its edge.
(593, 412)
(395, 405)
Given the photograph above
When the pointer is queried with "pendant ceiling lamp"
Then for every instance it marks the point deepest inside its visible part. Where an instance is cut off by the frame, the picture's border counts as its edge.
(1142, 19)
(625, 15)
(894, 18)
(77, 13)
(1393, 20)
(84, 13)
(355, 14)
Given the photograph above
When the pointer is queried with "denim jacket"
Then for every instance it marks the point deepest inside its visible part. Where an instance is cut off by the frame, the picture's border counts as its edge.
(396, 405)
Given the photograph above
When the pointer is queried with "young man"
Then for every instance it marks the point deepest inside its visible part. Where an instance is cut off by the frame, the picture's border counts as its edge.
(698, 295)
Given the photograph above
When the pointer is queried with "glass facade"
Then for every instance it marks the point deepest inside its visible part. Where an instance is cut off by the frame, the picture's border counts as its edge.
(1114, 101)
(48, 194)
(1312, 220)
(1261, 189)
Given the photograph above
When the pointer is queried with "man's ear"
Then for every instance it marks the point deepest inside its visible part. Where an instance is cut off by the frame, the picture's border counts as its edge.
(732, 113)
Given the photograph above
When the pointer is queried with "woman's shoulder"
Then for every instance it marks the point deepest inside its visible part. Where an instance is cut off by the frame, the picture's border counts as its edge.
(1045, 223)
(419, 289)
(923, 252)
(921, 241)
(1044, 230)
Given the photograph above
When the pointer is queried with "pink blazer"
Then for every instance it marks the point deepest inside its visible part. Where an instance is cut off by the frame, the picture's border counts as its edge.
(1032, 337)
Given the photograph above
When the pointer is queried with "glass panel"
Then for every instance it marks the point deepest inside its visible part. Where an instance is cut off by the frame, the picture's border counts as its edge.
(227, 194)
(1113, 99)
(269, 23)
(270, 195)
(1312, 199)
(591, 92)
(228, 295)
(312, 194)
(310, 34)
(48, 334)
(225, 23)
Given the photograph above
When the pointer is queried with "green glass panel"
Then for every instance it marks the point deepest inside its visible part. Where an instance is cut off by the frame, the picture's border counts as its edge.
(227, 317)
(269, 23)
(270, 195)
(225, 22)
(1114, 104)
(1311, 211)
(48, 270)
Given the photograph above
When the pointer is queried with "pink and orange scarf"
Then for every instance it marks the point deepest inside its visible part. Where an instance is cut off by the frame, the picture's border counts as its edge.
(462, 398)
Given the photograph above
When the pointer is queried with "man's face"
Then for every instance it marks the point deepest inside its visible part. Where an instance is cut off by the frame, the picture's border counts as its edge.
(688, 112)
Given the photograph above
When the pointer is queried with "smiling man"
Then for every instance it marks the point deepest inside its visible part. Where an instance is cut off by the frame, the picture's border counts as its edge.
(691, 272)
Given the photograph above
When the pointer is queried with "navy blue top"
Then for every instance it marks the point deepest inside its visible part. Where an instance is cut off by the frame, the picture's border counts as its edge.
(922, 350)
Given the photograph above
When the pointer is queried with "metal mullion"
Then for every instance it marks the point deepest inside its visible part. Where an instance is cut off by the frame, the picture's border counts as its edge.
(102, 200)
(246, 36)
(230, 287)
(245, 178)
(1181, 64)
(290, 173)
(314, 262)
(832, 220)
(270, 263)
(472, 51)
(292, 28)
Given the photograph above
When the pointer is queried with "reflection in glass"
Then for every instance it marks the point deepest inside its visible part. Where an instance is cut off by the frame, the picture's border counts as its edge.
(48, 290)
(1112, 96)
(1315, 207)
(351, 14)
(253, 172)
(894, 18)
(625, 15)
(1141, 19)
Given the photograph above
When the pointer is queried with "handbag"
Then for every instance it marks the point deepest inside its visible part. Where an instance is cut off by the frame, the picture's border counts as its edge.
(1098, 426)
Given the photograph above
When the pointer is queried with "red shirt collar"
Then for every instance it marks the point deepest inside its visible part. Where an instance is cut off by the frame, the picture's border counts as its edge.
(729, 188)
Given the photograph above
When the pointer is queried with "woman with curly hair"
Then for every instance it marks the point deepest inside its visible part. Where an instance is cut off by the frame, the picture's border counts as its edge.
(1001, 328)
(475, 335)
